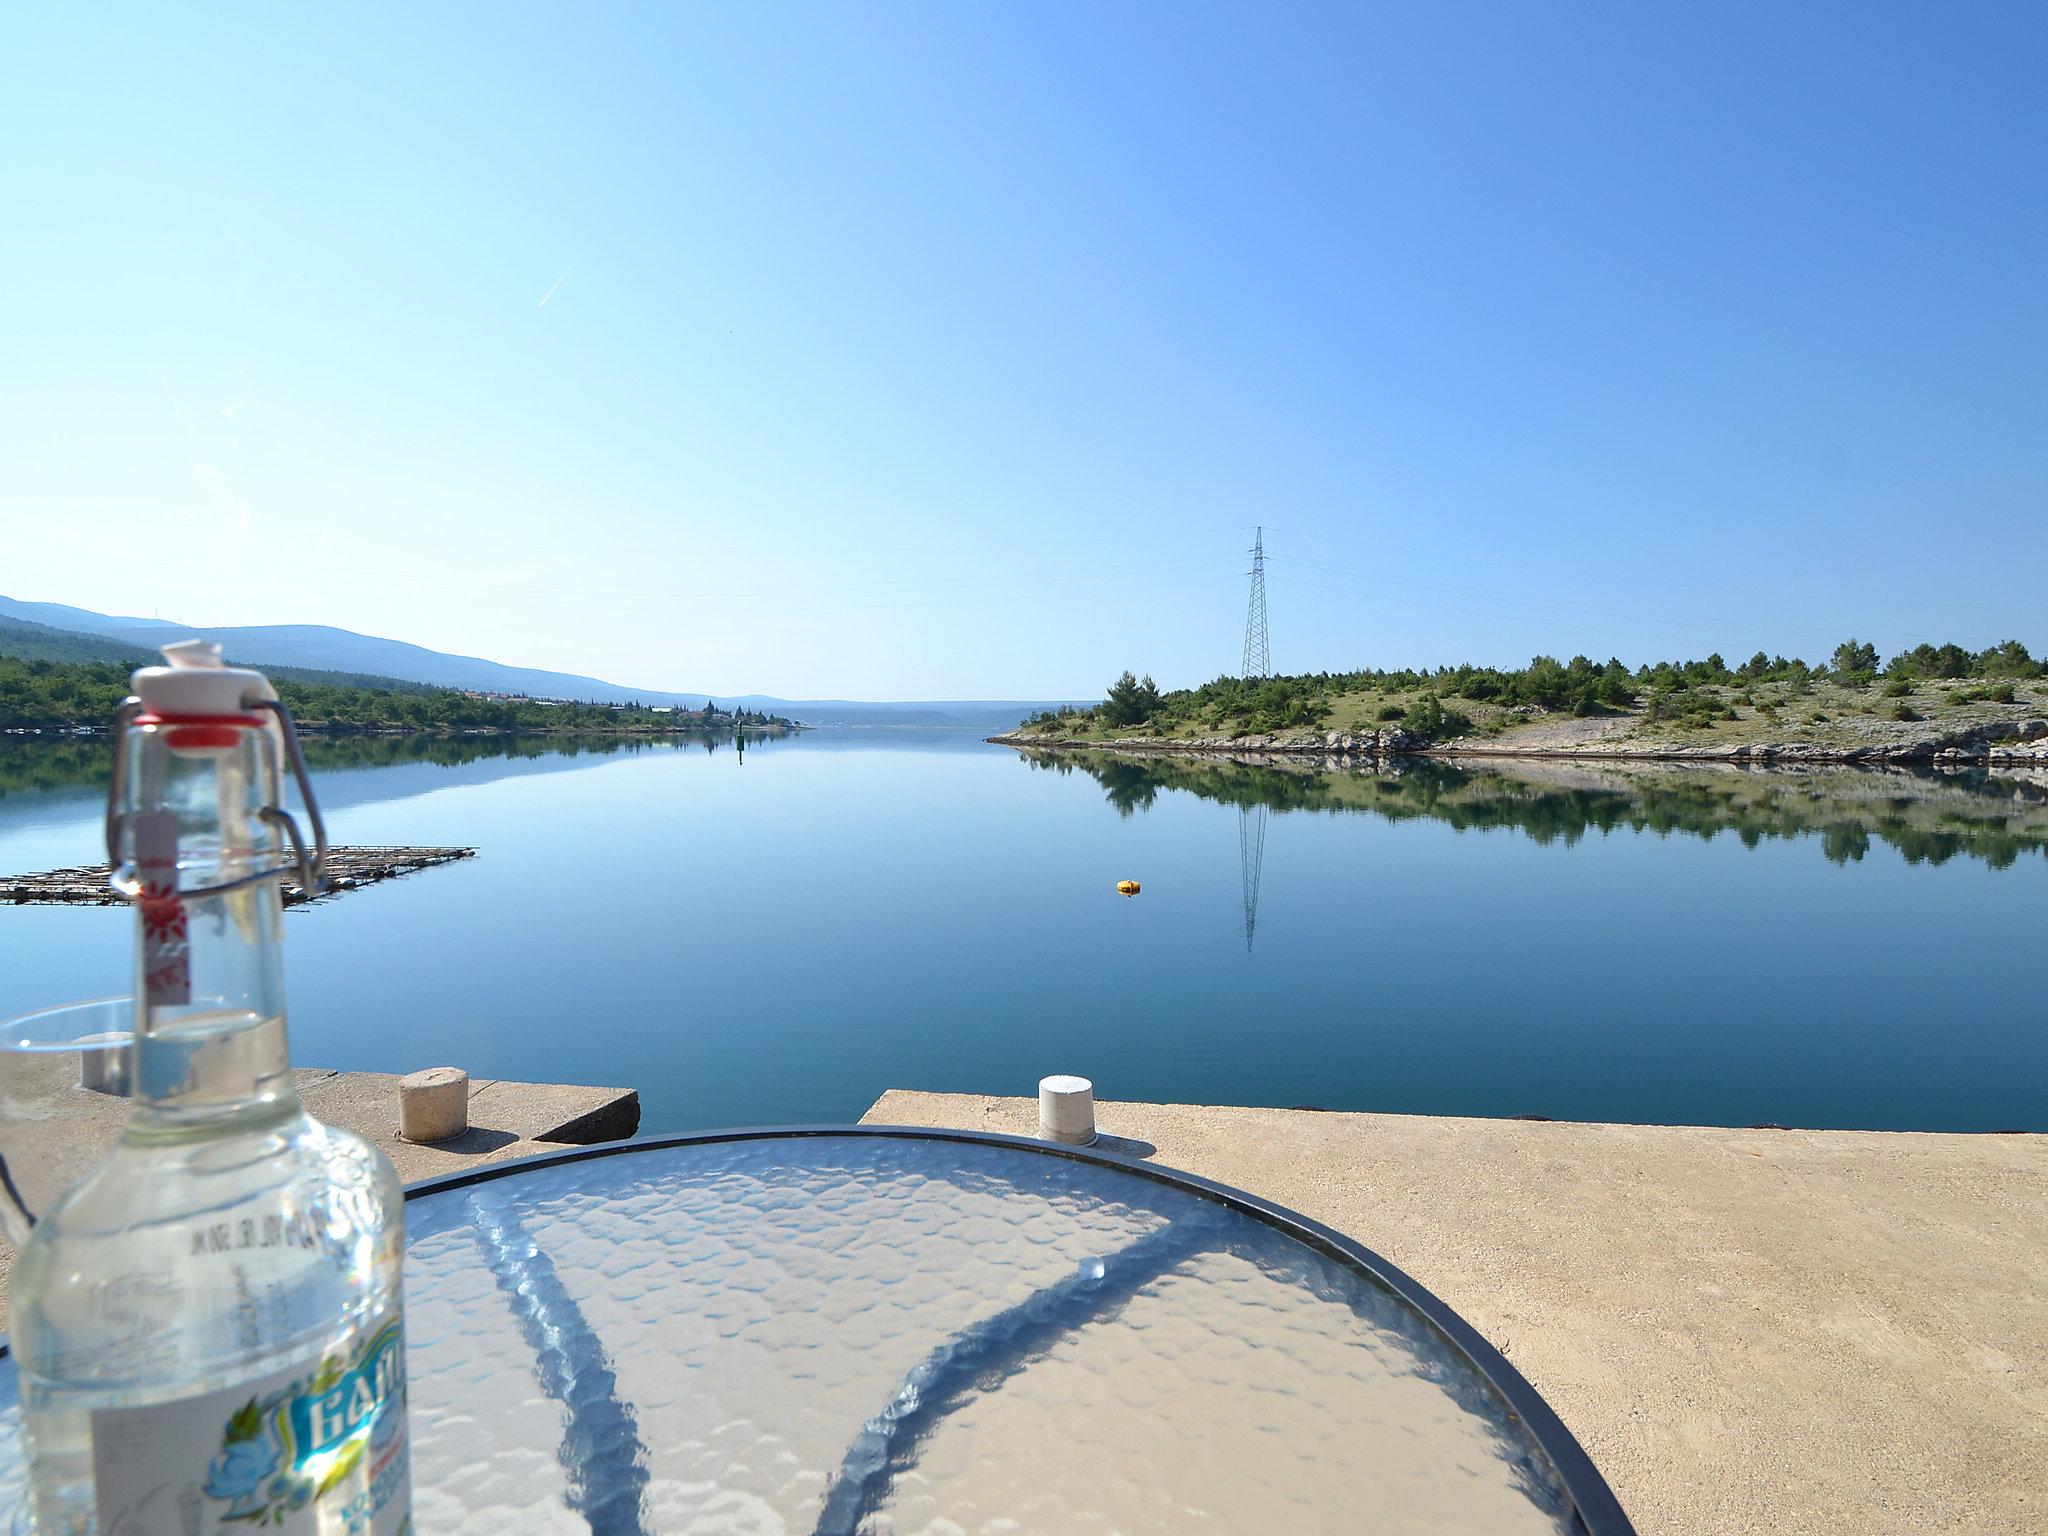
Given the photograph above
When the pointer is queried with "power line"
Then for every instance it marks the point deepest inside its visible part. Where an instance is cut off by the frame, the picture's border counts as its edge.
(102, 515)
(1845, 599)
(454, 583)
(1889, 639)
(1595, 610)
(763, 601)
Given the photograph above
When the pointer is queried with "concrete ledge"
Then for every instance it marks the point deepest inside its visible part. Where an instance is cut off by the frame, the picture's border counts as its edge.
(558, 1112)
(506, 1120)
(1750, 1331)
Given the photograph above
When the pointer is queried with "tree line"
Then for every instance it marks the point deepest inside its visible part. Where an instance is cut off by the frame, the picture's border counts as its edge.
(43, 694)
(1580, 686)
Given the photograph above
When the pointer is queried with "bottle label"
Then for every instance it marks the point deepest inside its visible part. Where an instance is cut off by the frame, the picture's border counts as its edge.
(320, 1447)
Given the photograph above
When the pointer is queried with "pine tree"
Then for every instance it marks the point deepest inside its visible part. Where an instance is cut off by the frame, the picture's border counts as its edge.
(1130, 701)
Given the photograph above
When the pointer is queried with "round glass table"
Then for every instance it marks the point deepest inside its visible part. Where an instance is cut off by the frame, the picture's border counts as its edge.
(931, 1333)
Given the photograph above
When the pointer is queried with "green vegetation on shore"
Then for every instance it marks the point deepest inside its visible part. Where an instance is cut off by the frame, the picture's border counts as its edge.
(1765, 697)
(40, 694)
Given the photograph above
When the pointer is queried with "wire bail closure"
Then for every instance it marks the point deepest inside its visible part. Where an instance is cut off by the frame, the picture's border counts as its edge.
(311, 867)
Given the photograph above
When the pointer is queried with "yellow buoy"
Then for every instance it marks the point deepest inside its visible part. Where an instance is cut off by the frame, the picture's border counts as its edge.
(1127, 887)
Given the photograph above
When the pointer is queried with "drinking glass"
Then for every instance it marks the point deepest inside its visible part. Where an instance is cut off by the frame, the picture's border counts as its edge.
(64, 1075)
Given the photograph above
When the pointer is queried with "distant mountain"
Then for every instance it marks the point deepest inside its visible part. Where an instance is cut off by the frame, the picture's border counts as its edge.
(338, 650)
(300, 648)
(39, 642)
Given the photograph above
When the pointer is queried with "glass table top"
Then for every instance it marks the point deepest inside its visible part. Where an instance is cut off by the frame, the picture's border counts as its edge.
(931, 1334)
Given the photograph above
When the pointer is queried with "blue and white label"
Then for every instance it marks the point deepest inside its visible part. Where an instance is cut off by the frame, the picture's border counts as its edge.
(337, 1406)
(317, 1448)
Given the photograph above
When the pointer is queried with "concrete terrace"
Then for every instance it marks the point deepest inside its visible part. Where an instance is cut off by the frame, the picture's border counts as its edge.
(1785, 1332)
(506, 1119)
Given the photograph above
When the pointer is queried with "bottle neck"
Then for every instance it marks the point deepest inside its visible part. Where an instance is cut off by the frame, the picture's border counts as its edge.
(210, 1043)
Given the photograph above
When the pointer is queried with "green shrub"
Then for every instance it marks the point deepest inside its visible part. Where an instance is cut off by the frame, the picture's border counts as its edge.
(1906, 712)
(1997, 693)
(1429, 719)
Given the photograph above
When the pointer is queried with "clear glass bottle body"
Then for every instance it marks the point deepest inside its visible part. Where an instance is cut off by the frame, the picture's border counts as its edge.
(208, 1326)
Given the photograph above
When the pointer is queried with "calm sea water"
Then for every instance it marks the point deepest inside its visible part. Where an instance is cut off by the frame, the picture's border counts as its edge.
(779, 939)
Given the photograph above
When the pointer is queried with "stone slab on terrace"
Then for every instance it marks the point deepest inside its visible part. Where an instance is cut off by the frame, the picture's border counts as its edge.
(506, 1119)
(1840, 1332)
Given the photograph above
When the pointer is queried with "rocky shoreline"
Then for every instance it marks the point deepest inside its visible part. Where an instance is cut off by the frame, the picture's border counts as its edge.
(2017, 743)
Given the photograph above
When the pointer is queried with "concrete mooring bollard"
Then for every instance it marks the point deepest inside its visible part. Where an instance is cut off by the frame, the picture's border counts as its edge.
(433, 1105)
(105, 1062)
(1066, 1110)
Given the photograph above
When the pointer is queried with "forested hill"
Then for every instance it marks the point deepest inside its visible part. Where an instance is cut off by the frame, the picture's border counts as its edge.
(319, 647)
(40, 694)
(26, 640)
(1855, 697)
(317, 654)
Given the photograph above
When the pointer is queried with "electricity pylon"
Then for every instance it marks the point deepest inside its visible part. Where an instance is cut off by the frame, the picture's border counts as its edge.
(1258, 662)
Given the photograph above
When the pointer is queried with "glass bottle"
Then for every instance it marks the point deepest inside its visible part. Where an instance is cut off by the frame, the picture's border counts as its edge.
(208, 1326)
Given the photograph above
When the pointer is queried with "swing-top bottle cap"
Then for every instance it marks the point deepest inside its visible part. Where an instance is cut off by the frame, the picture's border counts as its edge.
(194, 682)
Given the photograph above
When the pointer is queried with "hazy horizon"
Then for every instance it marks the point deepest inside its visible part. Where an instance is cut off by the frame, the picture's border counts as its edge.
(931, 353)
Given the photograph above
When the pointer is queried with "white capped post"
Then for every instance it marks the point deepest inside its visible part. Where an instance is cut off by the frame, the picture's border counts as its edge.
(433, 1105)
(105, 1071)
(1066, 1110)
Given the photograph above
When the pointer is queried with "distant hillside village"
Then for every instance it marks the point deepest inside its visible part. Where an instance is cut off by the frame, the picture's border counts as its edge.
(710, 716)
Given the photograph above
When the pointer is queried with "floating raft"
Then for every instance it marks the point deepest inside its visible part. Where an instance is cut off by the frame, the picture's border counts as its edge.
(347, 868)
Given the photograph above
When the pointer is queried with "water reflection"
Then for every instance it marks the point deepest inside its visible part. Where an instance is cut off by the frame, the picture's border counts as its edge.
(50, 762)
(1251, 860)
(42, 776)
(889, 881)
(1928, 816)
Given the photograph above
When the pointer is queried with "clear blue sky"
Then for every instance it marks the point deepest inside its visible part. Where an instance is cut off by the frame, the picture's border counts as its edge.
(953, 350)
